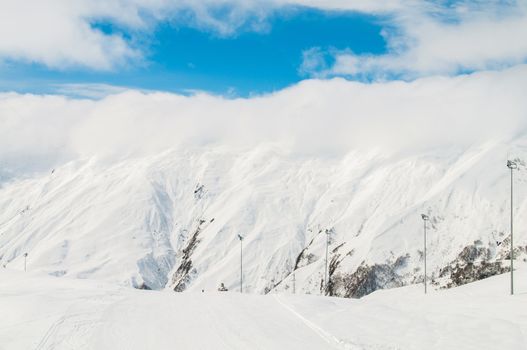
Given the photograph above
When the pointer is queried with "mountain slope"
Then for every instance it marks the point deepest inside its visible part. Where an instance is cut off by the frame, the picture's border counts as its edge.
(171, 220)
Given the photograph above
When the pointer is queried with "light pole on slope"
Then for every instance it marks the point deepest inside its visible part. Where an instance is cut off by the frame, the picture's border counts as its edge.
(326, 274)
(294, 283)
(241, 263)
(512, 165)
(425, 219)
(25, 262)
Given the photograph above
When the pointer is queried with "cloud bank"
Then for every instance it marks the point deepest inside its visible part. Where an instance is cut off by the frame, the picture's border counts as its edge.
(316, 118)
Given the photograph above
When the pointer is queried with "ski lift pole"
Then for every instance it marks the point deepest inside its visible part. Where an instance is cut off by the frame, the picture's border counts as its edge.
(512, 165)
(240, 237)
(425, 219)
(326, 275)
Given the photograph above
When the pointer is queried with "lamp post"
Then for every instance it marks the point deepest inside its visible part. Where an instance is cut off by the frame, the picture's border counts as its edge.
(294, 283)
(241, 263)
(512, 165)
(326, 274)
(25, 261)
(425, 219)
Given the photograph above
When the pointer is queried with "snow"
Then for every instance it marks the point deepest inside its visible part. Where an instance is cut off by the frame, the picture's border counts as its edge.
(130, 221)
(45, 312)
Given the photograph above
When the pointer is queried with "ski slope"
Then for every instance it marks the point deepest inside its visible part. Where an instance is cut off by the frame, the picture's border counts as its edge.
(44, 312)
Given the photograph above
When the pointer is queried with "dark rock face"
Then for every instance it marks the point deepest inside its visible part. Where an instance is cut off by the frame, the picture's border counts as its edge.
(182, 276)
(473, 253)
(199, 191)
(472, 264)
(305, 258)
(367, 279)
(462, 274)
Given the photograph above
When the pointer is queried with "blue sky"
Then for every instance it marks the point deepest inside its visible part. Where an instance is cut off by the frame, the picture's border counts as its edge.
(245, 48)
(184, 57)
(107, 50)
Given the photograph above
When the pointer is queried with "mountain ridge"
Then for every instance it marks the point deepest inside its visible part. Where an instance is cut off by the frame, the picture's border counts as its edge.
(170, 221)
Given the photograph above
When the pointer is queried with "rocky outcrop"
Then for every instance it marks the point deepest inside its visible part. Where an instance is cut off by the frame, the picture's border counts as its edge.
(367, 279)
(185, 270)
(474, 262)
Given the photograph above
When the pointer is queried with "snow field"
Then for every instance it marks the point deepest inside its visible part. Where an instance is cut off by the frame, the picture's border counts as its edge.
(43, 312)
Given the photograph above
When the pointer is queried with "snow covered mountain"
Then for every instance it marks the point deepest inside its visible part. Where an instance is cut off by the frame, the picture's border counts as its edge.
(171, 220)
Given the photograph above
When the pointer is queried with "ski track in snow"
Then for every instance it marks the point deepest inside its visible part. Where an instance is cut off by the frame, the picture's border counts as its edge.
(74, 329)
(91, 315)
(330, 339)
(69, 330)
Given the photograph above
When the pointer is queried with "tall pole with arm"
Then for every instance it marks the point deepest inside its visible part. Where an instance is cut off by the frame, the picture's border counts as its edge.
(326, 274)
(241, 263)
(512, 165)
(425, 219)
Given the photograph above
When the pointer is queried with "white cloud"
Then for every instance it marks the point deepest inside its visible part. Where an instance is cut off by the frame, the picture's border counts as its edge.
(436, 40)
(316, 118)
(314, 61)
(366, 6)
(58, 34)
(424, 37)
(88, 90)
(35, 130)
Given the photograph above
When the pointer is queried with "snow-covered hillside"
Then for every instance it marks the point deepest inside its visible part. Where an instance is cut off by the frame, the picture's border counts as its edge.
(44, 312)
(171, 220)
